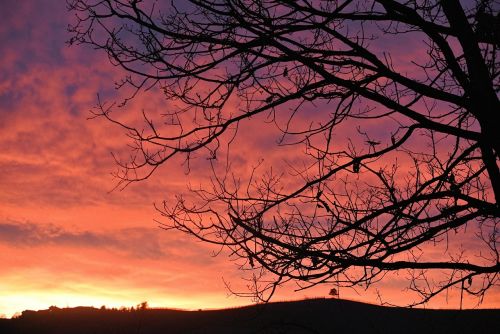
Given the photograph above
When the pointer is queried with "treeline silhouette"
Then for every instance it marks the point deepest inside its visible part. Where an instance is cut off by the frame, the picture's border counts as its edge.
(307, 316)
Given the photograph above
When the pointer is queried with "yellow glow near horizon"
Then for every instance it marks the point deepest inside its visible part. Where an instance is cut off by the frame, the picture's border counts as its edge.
(12, 305)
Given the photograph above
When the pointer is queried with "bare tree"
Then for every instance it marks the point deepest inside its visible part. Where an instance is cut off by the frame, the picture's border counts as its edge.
(391, 107)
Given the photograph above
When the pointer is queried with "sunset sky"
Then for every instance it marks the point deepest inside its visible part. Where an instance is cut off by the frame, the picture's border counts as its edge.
(66, 238)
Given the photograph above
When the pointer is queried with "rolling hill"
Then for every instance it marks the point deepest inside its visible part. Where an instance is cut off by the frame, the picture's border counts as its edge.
(307, 316)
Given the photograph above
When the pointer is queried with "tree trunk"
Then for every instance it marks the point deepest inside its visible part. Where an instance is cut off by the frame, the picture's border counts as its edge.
(484, 103)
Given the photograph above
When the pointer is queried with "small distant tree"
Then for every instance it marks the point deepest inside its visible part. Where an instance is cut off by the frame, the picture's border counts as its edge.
(334, 292)
(395, 167)
(142, 306)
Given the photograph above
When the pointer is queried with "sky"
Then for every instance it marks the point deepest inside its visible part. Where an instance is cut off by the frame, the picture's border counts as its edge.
(68, 239)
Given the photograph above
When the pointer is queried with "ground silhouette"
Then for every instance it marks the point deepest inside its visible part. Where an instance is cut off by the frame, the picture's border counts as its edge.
(306, 316)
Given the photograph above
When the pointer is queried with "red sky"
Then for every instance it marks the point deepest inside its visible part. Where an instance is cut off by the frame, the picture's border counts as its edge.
(65, 239)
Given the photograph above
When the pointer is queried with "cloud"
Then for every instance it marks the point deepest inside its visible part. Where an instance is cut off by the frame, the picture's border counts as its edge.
(136, 242)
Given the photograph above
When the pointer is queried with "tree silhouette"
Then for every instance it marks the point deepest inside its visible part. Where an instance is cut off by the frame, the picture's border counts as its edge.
(390, 108)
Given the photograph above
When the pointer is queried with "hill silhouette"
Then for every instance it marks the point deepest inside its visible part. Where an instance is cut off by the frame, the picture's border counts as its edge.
(307, 316)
